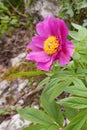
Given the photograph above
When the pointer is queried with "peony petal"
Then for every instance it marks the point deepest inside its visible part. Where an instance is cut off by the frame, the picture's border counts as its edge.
(70, 48)
(62, 29)
(39, 56)
(65, 54)
(47, 66)
(63, 58)
(38, 41)
(52, 27)
(32, 47)
(47, 27)
(44, 66)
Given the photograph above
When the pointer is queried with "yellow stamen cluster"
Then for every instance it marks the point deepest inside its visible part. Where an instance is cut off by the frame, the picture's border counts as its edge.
(51, 45)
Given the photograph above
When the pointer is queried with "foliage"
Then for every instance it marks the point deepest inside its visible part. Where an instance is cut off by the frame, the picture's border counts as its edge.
(74, 11)
(13, 72)
(4, 111)
(7, 17)
(71, 79)
(13, 14)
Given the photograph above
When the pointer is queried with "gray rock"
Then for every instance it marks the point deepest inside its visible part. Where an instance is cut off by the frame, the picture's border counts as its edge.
(22, 84)
(17, 60)
(43, 8)
(3, 86)
(10, 92)
(15, 123)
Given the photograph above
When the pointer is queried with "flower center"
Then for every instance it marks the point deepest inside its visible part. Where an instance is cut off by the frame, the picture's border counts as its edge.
(51, 45)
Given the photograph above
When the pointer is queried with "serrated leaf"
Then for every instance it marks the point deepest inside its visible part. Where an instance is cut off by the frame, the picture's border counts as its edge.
(35, 115)
(74, 102)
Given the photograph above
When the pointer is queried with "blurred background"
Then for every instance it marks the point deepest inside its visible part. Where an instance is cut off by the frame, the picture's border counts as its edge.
(17, 26)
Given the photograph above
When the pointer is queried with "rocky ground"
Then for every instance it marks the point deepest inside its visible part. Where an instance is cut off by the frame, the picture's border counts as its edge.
(16, 92)
(20, 92)
(12, 52)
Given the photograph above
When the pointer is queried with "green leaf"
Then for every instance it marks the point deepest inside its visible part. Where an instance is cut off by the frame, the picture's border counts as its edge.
(35, 115)
(77, 82)
(52, 108)
(51, 84)
(74, 102)
(62, 75)
(74, 35)
(76, 26)
(14, 21)
(77, 90)
(31, 73)
(41, 127)
(84, 127)
(79, 87)
(80, 35)
(68, 114)
(78, 121)
(70, 12)
(43, 82)
(4, 111)
(58, 88)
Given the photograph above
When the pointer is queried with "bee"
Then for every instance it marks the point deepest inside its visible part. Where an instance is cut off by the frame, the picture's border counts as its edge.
(28, 50)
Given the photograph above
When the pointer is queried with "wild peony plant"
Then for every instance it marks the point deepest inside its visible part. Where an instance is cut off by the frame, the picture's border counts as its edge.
(50, 44)
(68, 78)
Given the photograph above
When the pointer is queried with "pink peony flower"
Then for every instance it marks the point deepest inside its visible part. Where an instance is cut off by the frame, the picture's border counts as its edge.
(50, 44)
